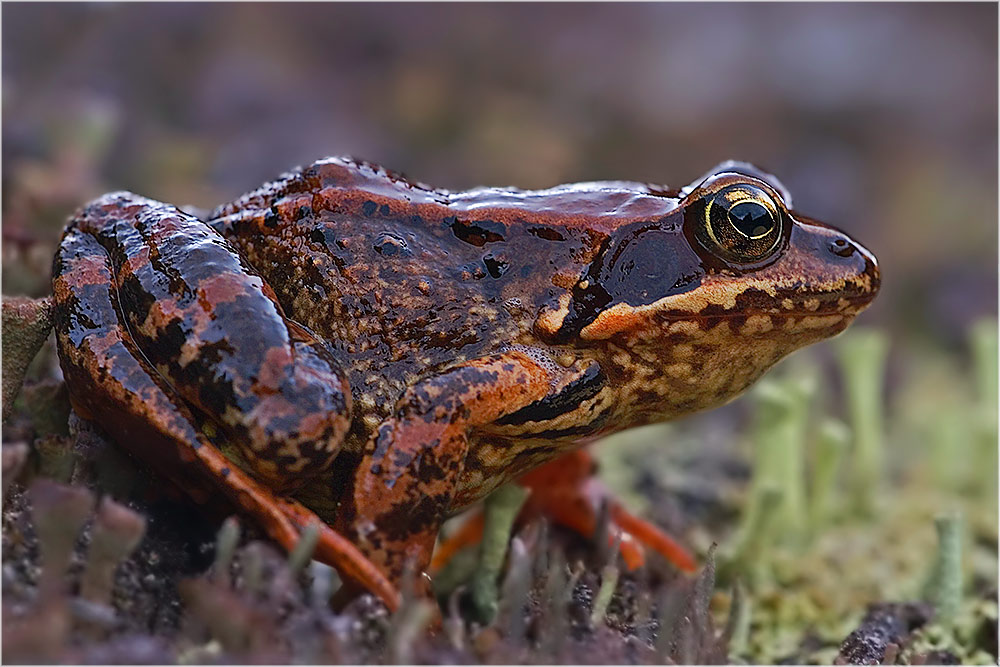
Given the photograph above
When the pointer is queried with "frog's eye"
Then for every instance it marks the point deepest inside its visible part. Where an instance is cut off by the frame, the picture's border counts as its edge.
(742, 224)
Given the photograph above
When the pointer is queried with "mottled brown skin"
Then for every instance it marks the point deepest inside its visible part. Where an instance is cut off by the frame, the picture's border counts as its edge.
(478, 334)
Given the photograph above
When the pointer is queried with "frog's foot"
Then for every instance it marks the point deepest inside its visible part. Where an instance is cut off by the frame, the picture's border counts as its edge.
(565, 491)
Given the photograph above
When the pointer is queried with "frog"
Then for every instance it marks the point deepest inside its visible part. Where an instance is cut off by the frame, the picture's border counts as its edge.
(356, 354)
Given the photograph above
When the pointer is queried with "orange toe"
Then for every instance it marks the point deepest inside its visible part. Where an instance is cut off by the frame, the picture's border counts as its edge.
(566, 491)
(654, 538)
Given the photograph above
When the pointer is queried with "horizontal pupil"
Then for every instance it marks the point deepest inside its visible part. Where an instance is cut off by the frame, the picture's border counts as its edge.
(751, 218)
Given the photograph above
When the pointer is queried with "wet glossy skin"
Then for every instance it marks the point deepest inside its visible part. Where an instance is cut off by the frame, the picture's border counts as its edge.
(440, 343)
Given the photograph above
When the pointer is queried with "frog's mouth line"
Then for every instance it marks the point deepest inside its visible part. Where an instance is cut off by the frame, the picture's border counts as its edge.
(853, 307)
(622, 316)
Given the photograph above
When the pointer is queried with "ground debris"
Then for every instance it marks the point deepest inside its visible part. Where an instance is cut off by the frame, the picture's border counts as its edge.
(883, 629)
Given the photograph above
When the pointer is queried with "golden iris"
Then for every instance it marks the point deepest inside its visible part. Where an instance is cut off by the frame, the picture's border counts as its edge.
(742, 224)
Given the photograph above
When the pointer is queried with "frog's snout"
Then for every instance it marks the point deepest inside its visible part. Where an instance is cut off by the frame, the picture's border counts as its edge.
(837, 267)
(863, 280)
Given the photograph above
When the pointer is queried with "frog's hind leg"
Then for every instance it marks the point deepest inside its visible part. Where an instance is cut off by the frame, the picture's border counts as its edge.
(566, 491)
(112, 383)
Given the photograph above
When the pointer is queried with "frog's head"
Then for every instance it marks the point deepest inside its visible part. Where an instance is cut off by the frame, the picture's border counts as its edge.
(711, 295)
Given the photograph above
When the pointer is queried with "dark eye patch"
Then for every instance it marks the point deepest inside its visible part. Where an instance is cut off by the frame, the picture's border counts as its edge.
(649, 266)
(637, 266)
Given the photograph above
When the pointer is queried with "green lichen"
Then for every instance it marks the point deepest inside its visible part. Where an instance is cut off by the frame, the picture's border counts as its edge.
(304, 548)
(501, 508)
(983, 342)
(862, 356)
(832, 444)
(944, 583)
(902, 471)
(609, 580)
(226, 541)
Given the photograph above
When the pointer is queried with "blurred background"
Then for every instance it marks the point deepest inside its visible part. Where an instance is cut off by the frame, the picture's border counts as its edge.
(881, 119)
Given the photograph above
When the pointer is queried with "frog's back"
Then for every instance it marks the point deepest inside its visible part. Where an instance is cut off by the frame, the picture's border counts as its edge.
(403, 279)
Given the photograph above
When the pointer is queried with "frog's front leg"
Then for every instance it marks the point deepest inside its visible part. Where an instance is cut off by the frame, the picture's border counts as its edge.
(405, 485)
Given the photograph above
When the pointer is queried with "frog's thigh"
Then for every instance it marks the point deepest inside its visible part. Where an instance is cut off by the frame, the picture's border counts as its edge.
(213, 330)
(405, 484)
(110, 382)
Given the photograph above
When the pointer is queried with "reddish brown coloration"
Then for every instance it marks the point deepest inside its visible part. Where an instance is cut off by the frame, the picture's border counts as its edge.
(443, 342)
(393, 512)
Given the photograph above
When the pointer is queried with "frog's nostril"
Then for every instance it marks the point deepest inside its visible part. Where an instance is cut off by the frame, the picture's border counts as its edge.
(841, 247)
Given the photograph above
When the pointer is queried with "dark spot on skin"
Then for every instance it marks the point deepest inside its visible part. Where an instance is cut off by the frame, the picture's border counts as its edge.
(369, 207)
(171, 338)
(587, 304)
(225, 472)
(134, 298)
(638, 265)
(529, 458)
(413, 516)
(546, 233)
(87, 310)
(334, 245)
(495, 266)
(477, 233)
(271, 218)
(384, 209)
(303, 212)
(648, 265)
(216, 399)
